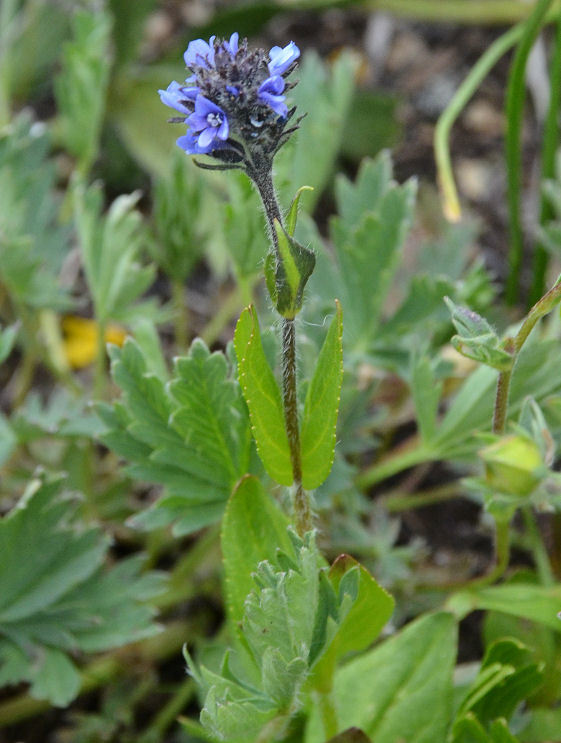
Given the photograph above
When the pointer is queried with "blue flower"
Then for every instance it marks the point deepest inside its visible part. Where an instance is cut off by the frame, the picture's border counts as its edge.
(270, 93)
(210, 120)
(232, 45)
(176, 95)
(200, 53)
(282, 57)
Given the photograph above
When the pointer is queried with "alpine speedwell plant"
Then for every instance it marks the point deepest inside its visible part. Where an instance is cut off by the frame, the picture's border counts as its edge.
(292, 618)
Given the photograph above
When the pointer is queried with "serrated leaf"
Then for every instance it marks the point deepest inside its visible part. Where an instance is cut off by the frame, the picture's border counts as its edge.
(294, 266)
(81, 85)
(263, 399)
(253, 529)
(374, 217)
(476, 339)
(60, 599)
(191, 435)
(321, 407)
(400, 690)
(111, 246)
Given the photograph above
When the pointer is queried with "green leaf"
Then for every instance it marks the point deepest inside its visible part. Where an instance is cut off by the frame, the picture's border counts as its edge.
(111, 246)
(476, 339)
(263, 399)
(8, 439)
(374, 215)
(191, 435)
(400, 690)
(60, 599)
(533, 602)
(470, 730)
(33, 245)
(81, 86)
(7, 340)
(292, 214)
(321, 407)
(366, 614)
(294, 266)
(507, 676)
(253, 529)
(426, 396)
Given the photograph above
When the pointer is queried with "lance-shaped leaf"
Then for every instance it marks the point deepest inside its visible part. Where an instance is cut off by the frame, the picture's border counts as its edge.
(292, 215)
(476, 339)
(322, 406)
(426, 396)
(263, 399)
(293, 268)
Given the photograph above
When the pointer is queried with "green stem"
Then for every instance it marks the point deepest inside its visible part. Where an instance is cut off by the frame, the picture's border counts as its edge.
(549, 150)
(502, 556)
(167, 715)
(541, 558)
(514, 346)
(407, 456)
(397, 502)
(100, 373)
(302, 510)
(328, 715)
(180, 317)
(515, 98)
(444, 125)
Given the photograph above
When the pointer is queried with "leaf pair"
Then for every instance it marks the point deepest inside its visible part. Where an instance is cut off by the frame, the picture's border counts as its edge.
(264, 401)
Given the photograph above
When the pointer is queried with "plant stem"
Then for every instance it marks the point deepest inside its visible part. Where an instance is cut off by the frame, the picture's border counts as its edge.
(166, 716)
(397, 502)
(502, 556)
(180, 319)
(444, 125)
(302, 509)
(514, 346)
(408, 455)
(100, 361)
(328, 715)
(541, 558)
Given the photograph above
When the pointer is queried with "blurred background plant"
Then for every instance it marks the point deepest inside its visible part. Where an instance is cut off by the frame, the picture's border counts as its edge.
(107, 231)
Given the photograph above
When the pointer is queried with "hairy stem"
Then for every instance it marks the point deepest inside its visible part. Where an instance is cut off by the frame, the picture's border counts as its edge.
(302, 510)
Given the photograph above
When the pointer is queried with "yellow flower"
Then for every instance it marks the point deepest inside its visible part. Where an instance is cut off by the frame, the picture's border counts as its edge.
(80, 339)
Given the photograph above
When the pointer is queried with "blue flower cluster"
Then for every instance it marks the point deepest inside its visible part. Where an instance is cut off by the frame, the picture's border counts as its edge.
(234, 102)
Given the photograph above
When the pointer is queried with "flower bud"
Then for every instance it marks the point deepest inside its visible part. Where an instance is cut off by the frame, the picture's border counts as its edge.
(513, 465)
